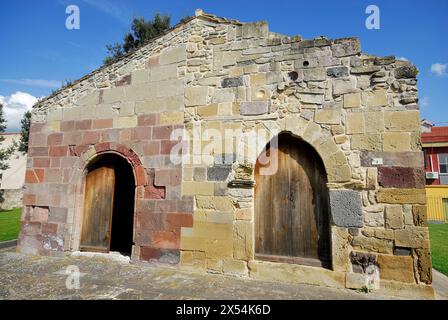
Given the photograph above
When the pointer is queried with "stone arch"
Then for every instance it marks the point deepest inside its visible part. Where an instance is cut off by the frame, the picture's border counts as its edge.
(91, 152)
(87, 154)
(321, 139)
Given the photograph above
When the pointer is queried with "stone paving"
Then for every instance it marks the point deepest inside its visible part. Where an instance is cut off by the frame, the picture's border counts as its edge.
(35, 277)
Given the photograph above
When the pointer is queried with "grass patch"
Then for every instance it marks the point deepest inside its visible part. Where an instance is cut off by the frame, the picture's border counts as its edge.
(10, 224)
(438, 234)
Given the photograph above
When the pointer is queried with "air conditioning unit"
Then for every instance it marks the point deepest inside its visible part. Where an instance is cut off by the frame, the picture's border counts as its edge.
(432, 175)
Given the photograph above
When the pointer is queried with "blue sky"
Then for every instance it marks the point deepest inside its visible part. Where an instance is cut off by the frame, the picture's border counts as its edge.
(38, 52)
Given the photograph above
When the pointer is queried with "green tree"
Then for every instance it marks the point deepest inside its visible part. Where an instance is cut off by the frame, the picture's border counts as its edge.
(5, 153)
(141, 32)
(25, 132)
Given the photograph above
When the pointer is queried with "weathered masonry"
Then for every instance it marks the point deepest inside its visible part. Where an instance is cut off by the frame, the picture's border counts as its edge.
(347, 198)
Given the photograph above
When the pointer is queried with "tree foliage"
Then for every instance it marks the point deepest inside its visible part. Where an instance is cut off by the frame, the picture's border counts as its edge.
(25, 132)
(141, 32)
(5, 153)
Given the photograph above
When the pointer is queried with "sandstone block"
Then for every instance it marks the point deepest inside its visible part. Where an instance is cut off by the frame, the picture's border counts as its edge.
(89, 99)
(346, 47)
(397, 141)
(222, 59)
(224, 95)
(424, 265)
(355, 123)
(210, 231)
(125, 122)
(113, 95)
(366, 142)
(155, 105)
(138, 92)
(208, 111)
(171, 118)
(235, 267)
(169, 88)
(255, 30)
(412, 237)
(214, 265)
(219, 249)
(356, 281)
(373, 244)
(161, 73)
(173, 55)
(401, 196)
(310, 98)
(244, 214)
(374, 122)
(339, 174)
(377, 98)
(314, 74)
(402, 120)
(214, 203)
(397, 268)
(254, 108)
(290, 273)
(140, 76)
(193, 188)
(328, 116)
(344, 86)
(195, 96)
(258, 80)
(419, 215)
(195, 259)
(352, 100)
(394, 217)
(243, 248)
(340, 249)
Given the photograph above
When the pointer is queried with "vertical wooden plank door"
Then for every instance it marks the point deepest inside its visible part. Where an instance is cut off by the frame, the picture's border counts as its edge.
(291, 207)
(98, 207)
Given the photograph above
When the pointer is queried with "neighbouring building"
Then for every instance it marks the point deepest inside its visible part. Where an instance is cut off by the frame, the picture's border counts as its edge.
(435, 147)
(231, 149)
(13, 178)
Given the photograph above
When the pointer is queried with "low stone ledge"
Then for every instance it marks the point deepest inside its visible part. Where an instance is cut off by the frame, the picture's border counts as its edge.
(405, 290)
(292, 273)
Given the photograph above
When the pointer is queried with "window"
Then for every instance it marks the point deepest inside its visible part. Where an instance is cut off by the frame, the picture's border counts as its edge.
(443, 163)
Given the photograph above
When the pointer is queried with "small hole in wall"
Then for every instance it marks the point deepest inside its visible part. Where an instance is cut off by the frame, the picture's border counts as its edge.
(306, 63)
(293, 75)
(260, 94)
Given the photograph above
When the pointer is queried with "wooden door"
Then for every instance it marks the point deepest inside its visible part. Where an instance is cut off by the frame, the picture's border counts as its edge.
(98, 207)
(291, 207)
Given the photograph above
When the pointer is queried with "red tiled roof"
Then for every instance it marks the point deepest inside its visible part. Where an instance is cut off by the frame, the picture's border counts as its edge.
(437, 134)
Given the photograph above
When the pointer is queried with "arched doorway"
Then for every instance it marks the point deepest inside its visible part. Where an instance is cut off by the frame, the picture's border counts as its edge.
(108, 215)
(292, 207)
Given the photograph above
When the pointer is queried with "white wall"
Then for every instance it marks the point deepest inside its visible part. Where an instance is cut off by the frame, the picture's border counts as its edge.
(14, 177)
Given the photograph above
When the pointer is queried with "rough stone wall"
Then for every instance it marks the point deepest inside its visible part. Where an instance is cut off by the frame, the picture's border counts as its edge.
(359, 112)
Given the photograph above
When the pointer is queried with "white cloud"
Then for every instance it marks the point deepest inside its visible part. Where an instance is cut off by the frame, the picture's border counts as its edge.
(439, 69)
(424, 102)
(402, 58)
(117, 11)
(35, 82)
(14, 106)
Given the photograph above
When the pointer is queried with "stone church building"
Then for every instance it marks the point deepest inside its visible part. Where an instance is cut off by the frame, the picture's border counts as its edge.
(231, 149)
